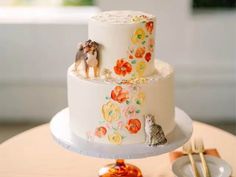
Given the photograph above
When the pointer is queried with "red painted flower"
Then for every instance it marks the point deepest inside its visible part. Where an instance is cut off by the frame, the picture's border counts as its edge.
(149, 26)
(140, 52)
(100, 132)
(122, 67)
(133, 126)
(148, 56)
(119, 95)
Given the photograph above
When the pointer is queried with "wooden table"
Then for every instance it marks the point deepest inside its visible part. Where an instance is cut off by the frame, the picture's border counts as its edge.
(35, 154)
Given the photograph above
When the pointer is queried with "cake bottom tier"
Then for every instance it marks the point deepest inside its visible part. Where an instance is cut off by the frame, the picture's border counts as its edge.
(113, 112)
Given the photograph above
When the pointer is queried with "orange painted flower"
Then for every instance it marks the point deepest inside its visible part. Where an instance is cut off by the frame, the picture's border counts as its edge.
(133, 126)
(122, 67)
(148, 56)
(131, 57)
(140, 52)
(119, 95)
(149, 26)
(100, 132)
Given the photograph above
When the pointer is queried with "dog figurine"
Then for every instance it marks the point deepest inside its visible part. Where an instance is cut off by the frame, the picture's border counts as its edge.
(88, 52)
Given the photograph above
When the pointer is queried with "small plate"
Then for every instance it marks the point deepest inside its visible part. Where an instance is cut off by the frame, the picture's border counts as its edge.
(218, 167)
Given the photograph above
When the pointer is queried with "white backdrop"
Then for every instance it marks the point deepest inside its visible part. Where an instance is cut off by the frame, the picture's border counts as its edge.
(34, 56)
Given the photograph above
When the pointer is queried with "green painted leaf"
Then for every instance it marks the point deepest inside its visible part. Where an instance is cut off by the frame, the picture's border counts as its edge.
(143, 42)
(133, 62)
(139, 36)
(133, 75)
(107, 98)
(127, 102)
(138, 102)
(110, 112)
(114, 128)
(101, 122)
(138, 111)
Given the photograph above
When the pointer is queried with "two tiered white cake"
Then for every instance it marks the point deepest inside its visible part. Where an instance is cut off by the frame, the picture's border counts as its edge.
(130, 84)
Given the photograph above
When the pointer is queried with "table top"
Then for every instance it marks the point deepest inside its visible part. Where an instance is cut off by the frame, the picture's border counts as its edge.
(34, 153)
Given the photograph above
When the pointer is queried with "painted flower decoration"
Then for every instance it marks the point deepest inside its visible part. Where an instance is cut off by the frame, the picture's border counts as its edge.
(107, 125)
(138, 36)
(151, 43)
(149, 26)
(140, 68)
(140, 52)
(131, 57)
(140, 80)
(148, 56)
(115, 138)
(129, 112)
(119, 95)
(120, 125)
(111, 111)
(139, 18)
(133, 126)
(100, 131)
(140, 97)
(130, 52)
(122, 67)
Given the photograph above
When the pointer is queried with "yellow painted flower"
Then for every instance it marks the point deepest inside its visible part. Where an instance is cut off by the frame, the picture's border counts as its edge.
(140, 68)
(139, 36)
(111, 111)
(141, 96)
(115, 138)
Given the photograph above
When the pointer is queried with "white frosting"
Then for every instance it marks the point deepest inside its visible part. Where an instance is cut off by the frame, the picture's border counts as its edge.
(87, 98)
(121, 17)
(127, 35)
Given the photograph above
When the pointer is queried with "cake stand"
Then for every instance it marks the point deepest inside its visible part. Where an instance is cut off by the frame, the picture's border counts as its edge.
(62, 134)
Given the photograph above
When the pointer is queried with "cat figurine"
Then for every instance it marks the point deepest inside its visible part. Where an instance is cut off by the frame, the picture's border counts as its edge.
(154, 133)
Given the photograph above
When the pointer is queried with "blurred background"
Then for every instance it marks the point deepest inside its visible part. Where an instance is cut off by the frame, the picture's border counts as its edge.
(38, 41)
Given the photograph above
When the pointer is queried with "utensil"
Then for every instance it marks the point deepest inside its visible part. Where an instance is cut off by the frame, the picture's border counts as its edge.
(198, 147)
(187, 149)
(217, 166)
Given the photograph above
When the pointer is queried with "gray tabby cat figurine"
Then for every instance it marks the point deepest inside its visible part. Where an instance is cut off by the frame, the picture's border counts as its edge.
(154, 133)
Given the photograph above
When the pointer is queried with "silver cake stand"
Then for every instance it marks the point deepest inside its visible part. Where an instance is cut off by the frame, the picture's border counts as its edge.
(62, 134)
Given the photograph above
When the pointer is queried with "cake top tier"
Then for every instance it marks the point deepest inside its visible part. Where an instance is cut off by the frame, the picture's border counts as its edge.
(122, 17)
(126, 43)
